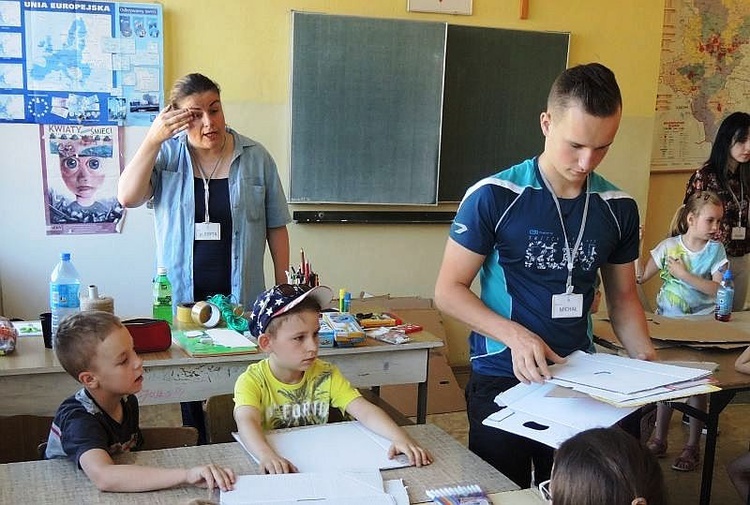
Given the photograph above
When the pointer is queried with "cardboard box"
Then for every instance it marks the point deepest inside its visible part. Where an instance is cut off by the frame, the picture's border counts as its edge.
(443, 392)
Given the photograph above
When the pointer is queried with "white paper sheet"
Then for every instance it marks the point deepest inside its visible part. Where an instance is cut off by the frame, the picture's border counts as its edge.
(347, 445)
(619, 374)
(541, 412)
(329, 488)
(228, 338)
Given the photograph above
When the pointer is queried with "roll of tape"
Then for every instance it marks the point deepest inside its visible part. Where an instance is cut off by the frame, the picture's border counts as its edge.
(206, 314)
(184, 312)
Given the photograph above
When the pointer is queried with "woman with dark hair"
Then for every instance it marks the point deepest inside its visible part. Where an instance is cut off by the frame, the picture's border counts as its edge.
(727, 173)
(604, 465)
(217, 201)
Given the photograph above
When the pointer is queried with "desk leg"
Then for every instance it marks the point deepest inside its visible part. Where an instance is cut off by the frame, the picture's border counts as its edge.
(422, 403)
(717, 403)
(422, 396)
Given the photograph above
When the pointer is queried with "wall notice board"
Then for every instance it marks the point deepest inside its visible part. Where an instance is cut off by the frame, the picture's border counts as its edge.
(404, 112)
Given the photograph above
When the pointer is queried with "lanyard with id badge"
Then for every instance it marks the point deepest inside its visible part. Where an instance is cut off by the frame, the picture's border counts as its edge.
(739, 231)
(568, 304)
(208, 230)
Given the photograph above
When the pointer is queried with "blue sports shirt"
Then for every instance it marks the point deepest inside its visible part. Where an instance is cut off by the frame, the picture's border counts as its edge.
(511, 219)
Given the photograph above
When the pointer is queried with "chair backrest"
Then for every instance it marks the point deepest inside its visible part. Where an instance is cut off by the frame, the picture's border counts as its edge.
(21, 436)
(168, 437)
(219, 416)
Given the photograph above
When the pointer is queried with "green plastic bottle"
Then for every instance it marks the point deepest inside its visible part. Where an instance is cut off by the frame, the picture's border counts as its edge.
(162, 296)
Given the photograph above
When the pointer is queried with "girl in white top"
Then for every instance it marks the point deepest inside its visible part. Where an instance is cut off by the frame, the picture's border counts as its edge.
(691, 265)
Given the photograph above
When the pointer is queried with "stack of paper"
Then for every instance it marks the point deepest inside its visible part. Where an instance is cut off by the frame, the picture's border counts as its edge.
(339, 464)
(591, 391)
(330, 488)
(626, 382)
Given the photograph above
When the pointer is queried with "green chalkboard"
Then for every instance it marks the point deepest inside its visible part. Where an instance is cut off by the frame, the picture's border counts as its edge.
(366, 98)
(496, 86)
(389, 111)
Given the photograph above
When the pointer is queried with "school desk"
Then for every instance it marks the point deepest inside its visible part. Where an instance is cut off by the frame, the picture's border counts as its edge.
(58, 481)
(33, 382)
(727, 378)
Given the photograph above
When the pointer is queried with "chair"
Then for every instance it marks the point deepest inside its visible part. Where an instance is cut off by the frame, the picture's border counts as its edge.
(168, 437)
(219, 419)
(21, 437)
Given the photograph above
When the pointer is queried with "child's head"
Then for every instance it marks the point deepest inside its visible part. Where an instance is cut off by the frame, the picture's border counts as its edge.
(97, 350)
(606, 465)
(281, 302)
(701, 213)
(285, 321)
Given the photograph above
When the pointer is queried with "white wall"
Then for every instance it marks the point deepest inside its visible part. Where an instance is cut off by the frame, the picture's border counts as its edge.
(121, 265)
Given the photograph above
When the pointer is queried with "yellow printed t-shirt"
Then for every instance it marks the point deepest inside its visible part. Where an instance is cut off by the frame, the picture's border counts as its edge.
(289, 405)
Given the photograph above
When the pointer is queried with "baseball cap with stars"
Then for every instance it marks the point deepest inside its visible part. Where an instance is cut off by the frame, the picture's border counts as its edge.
(281, 299)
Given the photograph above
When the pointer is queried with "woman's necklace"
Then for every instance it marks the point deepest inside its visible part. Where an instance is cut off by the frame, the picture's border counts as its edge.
(210, 233)
(216, 165)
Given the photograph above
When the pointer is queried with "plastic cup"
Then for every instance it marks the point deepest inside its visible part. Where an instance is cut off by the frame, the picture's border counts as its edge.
(46, 319)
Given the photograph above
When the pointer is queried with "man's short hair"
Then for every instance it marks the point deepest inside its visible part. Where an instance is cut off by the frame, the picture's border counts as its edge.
(592, 85)
(78, 337)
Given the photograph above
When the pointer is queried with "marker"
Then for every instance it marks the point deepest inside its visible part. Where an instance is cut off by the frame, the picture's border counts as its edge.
(347, 301)
(342, 292)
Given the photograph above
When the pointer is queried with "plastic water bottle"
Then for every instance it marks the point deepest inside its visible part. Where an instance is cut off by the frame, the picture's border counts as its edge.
(64, 291)
(725, 297)
(162, 296)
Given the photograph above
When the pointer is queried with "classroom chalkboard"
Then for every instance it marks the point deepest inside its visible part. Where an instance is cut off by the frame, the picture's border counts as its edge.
(391, 111)
(366, 107)
(496, 86)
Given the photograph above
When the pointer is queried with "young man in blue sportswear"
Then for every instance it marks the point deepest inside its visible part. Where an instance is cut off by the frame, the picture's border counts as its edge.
(537, 234)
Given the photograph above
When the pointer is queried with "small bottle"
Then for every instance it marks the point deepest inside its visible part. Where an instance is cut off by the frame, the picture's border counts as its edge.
(162, 296)
(725, 297)
(64, 291)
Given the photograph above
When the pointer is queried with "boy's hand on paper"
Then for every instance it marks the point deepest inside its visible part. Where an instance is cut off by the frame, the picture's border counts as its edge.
(408, 447)
(530, 354)
(274, 464)
(211, 476)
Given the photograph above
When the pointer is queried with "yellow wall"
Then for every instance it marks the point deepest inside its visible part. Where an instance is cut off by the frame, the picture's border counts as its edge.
(245, 46)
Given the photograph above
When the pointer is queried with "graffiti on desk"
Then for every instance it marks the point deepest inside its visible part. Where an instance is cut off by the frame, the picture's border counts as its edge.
(188, 382)
(160, 395)
(191, 373)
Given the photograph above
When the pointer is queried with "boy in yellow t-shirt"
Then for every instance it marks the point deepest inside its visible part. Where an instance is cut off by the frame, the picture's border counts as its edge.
(292, 387)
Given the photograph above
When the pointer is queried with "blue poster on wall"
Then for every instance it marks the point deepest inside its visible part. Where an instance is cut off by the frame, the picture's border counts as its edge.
(94, 63)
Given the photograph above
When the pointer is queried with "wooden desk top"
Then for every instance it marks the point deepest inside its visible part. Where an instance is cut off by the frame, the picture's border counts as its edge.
(59, 481)
(31, 357)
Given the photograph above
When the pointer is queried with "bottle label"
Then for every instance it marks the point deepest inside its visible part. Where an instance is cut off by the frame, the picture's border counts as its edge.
(724, 300)
(64, 296)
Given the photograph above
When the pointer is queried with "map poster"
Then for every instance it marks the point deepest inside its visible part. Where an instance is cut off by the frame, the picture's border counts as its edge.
(81, 166)
(704, 76)
(80, 62)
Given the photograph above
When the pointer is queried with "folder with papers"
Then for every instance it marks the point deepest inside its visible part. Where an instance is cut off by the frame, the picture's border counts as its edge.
(591, 391)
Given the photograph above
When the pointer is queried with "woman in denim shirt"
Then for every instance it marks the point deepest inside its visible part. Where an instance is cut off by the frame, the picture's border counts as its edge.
(191, 160)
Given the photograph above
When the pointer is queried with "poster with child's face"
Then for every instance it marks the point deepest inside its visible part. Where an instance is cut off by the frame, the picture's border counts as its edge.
(81, 166)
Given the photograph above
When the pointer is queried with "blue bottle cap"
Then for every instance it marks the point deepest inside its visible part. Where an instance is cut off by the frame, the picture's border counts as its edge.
(65, 256)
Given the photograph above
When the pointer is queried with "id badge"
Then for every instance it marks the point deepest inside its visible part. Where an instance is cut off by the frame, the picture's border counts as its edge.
(738, 232)
(567, 305)
(207, 231)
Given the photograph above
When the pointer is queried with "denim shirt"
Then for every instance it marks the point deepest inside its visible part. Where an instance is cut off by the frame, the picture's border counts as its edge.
(257, 202)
